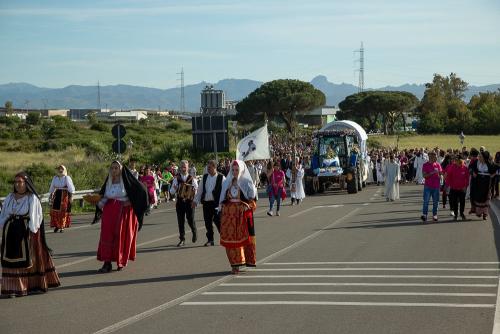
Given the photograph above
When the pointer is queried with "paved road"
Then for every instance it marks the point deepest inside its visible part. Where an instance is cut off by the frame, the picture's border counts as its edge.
(337, 263)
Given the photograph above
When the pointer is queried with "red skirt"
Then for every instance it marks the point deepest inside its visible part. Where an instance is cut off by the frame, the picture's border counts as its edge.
(118, 233)
(237, 234)
(38, 278)
(59, 215)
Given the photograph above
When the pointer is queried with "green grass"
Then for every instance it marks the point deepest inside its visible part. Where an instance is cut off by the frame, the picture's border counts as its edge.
(492, 143)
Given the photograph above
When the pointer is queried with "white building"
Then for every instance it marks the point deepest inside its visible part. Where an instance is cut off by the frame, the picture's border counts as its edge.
(130, 115)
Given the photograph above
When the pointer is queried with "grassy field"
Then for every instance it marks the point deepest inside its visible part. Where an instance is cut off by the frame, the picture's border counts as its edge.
(492, 143)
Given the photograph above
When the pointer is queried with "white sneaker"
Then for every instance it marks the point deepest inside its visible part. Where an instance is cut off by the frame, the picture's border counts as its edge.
(452, 213)
(277, 213)
(270, 213)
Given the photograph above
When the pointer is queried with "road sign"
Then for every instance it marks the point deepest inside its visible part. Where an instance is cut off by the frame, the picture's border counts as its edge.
(118, 131)
(119, 146)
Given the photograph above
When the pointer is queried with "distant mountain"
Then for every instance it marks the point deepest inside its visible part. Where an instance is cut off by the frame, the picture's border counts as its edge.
(129, 97)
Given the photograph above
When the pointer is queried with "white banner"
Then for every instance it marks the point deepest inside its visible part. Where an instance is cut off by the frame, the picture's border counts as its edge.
(255, 146)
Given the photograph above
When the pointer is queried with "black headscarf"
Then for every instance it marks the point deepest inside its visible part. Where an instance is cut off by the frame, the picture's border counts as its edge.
(31, 188)
(136, 193)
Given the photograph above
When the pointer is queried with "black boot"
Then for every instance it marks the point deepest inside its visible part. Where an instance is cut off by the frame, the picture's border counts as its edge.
(106, 267)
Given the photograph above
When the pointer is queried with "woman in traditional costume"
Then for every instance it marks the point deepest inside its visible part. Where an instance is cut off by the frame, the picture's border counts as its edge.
(237, 203)
(27, 266)
(124, 202)
(61, 192)
(482, 174)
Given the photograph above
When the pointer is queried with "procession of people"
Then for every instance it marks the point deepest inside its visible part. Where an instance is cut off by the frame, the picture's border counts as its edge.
(227, 192)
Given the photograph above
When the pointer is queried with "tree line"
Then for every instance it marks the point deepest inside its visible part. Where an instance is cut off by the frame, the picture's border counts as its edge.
(441, 110)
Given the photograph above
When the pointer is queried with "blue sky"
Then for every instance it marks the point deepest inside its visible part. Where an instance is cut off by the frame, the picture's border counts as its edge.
(146, 42)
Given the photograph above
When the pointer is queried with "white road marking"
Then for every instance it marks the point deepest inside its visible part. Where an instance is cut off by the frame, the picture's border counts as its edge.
(371, 262)
(177, 301)
(496, 319)
(315, 207)
(366, 276)
(348, 293)
(303, 303)
(365, 204)
(376, 269)
(364, 284)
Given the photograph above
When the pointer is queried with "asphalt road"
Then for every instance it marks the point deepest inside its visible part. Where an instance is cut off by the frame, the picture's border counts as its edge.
(337, 263)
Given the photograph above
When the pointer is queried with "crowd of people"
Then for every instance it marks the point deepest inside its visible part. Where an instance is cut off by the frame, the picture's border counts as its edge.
(227, 192)
(452, 175)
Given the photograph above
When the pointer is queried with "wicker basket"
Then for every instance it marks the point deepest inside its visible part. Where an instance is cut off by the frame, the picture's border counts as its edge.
(92, 198)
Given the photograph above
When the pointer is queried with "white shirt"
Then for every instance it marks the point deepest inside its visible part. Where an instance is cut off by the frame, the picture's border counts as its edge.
(175, 184)
(64, 182)
(29, 204)
(211, 181)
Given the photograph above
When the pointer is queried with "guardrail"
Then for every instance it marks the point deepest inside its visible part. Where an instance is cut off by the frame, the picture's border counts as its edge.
(77, 195)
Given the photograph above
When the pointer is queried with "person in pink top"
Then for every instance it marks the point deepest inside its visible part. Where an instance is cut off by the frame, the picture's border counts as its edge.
(276, 189)
(431, 171)
(149, 181)
(457, 178)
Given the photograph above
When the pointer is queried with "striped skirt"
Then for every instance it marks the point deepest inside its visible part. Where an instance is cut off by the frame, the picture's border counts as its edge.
(38, 278)
(59, 215)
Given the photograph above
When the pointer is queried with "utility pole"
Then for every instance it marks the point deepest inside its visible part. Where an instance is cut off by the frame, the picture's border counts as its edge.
(98, 96)
(361, 70)
(183, 102)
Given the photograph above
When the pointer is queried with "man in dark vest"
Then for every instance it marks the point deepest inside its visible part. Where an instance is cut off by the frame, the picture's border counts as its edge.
(208, 194)
(185, 186)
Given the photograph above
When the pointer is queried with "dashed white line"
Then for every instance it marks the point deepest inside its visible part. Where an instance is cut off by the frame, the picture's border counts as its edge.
(364, 284)
(316, 303)
(348, 293)
(367, 276)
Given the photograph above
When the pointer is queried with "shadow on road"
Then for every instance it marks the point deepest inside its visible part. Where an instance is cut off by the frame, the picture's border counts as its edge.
(135, 281)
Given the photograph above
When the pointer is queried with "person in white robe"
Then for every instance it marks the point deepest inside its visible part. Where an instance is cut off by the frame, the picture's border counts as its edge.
(296, 176)
(418, 163)
(380, 171)
(392, 177)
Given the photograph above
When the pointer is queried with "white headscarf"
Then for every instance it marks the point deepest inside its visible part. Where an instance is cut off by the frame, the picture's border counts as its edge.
(244, 182)
(110, 180)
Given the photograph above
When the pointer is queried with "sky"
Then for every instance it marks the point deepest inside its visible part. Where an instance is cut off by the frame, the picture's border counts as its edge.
(147, 42)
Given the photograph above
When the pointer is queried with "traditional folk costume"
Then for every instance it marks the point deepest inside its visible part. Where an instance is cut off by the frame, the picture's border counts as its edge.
(296, 175)
(392, 174)
(149, 182)
(185, 186)
(123, 207)
(208, 194)
(481, 193)
(27, 266)
(237, 232)
(61, 193)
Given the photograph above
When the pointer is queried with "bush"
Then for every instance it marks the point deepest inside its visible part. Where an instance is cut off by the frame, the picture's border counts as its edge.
(373, 143)
(99, 127)
(173, 125)
(33, 118)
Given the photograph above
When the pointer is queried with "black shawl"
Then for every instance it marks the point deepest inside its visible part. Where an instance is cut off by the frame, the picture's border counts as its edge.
(136, 193)
(31, 188)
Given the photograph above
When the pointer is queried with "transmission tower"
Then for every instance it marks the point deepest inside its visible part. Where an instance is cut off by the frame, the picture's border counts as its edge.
(361, 70)
(183, 101)
(98, 96)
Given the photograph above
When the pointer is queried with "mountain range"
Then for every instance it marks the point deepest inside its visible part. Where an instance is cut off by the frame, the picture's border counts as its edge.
(24, 95)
